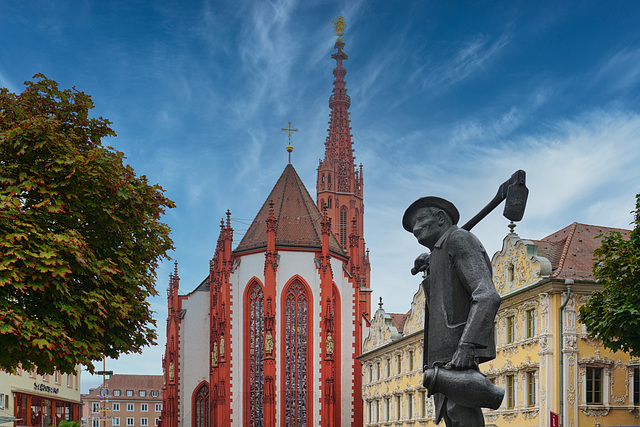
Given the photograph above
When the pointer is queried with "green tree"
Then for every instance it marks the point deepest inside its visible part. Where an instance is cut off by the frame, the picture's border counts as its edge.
(613, 314)
(80, 235)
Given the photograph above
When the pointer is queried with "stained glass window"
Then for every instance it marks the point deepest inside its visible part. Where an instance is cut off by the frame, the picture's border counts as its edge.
(296, 306)
(201, 406)
(256, 355)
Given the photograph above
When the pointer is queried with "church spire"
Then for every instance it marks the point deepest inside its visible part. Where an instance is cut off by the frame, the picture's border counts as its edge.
(339, 184)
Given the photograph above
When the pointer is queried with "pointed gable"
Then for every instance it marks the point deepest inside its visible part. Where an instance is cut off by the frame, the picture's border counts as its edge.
(297, 215)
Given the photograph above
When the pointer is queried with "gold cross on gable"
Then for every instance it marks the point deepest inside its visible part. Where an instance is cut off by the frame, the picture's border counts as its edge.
(290, 130)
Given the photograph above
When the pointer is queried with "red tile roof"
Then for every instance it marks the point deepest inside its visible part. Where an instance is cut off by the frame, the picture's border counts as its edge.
(570, 250)
(125, 382)
(297, 214)
(398, 319)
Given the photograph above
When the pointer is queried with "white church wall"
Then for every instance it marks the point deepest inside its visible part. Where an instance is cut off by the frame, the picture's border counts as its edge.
(194, 350)
(347, 337)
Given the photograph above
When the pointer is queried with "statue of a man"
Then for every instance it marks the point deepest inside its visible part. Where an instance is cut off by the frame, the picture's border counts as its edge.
(461, 304)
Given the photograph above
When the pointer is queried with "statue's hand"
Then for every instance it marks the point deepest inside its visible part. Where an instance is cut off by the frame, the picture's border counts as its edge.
(421, 263)
(464, 358)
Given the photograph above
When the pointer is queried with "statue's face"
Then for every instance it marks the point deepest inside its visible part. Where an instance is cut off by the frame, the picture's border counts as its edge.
(428, 227)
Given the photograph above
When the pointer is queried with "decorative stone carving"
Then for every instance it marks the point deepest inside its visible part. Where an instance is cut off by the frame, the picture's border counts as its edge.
(415, 321)
(518, 265)
(381, 331)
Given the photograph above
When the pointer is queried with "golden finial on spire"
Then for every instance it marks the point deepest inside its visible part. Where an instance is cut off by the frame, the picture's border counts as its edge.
(290, 130)
(339, 26)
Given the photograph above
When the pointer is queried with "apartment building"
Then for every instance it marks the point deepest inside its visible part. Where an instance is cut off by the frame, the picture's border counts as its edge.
(126, 401)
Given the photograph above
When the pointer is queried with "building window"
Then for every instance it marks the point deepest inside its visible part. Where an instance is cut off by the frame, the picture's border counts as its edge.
(378, 371)
(531, 389)
(130, 393)
(423, 404)
(144, 421)
(158, 407)
(129, 407)
(129, 421)
(68, 380)
(155, 393)
(410, 406)
(95, 422)
(370, 410)
(387, 364)
(411, 361)
(511, 398)
(296, 339)
(201, 409)
(636, 386)
(45, 377)
(510, 329)
(387, 409)
(56, 377)
(95, 407)
(398, 407)
(254, 340)
(156, 420)
(531, 323)
(511, 273)
(115, 406)
(142, 393)
(594, 386)
(399, 363)
(378, 410)
(144, 407)
(32, 373)
(116, 393)
(115, 421)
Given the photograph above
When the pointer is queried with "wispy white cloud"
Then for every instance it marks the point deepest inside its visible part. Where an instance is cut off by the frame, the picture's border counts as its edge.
(474, 56)
(267, 52)
(582, 169)
(622, 69)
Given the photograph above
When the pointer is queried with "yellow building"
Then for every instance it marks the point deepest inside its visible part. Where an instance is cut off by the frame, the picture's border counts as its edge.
(39, 400)
(392, 369)
(545, 360)
(554, 375)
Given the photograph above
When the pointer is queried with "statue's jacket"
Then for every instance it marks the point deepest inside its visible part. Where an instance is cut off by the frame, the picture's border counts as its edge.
(461, 300)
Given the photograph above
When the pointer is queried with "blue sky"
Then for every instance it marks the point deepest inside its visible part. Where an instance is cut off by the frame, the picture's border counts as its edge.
(448, 99)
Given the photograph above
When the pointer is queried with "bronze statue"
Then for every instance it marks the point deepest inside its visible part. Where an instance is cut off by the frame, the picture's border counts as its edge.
(461, 303)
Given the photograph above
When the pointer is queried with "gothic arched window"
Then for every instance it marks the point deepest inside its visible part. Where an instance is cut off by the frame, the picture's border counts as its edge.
(343, 226)
(201, 406)
(254, 354)
(297, 342)
(330, 203)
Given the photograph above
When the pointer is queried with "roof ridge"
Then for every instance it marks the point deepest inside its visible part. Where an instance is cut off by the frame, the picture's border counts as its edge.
(565, 249)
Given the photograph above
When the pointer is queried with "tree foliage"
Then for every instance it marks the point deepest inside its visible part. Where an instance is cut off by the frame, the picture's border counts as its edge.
(613, 314)
(80, 235)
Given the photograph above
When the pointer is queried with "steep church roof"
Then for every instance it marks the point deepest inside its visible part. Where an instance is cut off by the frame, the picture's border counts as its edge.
(297, 215)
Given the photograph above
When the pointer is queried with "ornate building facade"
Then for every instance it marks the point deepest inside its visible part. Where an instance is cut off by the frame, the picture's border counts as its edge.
(270, 336)
(553, 373)
(392, 367)
(551, 370)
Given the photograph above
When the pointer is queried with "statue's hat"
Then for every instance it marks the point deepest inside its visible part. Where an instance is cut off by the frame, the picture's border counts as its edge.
(408, 220)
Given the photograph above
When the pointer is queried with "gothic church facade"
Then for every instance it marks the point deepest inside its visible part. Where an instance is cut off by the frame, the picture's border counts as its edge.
(271, 335)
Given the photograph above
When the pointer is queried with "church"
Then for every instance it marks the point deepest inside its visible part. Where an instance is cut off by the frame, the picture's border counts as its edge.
(271, 335)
